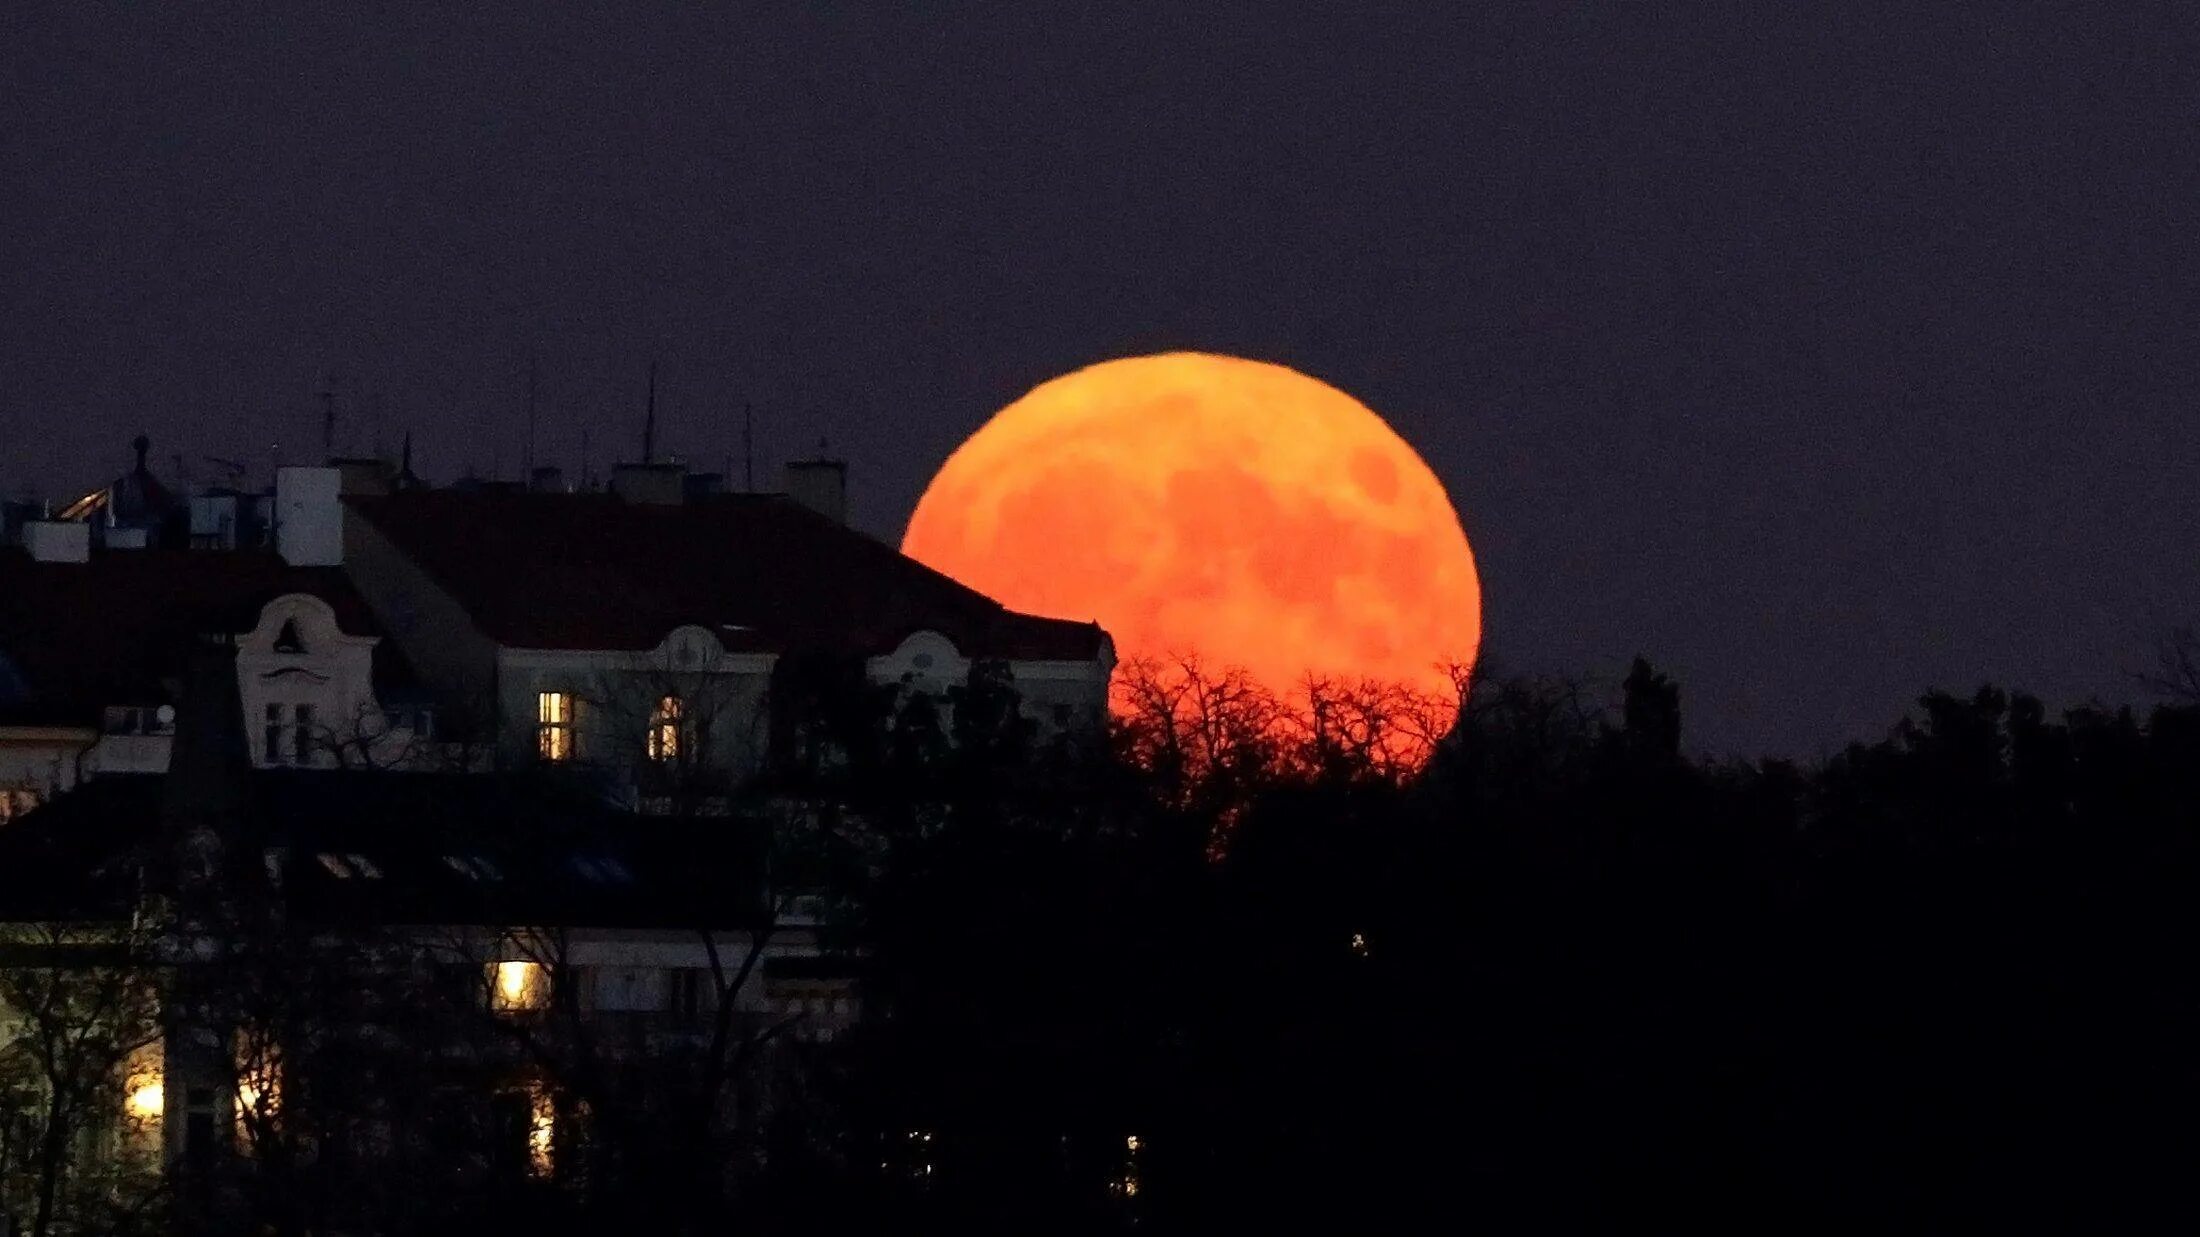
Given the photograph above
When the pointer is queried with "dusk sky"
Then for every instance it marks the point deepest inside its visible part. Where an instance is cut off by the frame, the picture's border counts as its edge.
(1821, 354)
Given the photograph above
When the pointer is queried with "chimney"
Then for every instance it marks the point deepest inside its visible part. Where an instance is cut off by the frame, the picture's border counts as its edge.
(821, 485)
(309, 517)
(58, 541)
(649, 483)
(202, 796)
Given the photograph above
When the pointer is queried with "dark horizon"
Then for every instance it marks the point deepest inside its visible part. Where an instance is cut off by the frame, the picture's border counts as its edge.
(1822, 358)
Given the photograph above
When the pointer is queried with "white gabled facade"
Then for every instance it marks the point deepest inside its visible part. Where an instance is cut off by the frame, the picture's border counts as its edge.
(307, 693)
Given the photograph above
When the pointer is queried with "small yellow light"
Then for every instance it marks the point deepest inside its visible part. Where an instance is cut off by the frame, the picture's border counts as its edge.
(148, 1101)
(1131, 1144)
(542, 1125)
(519, 985)
(1359, 944)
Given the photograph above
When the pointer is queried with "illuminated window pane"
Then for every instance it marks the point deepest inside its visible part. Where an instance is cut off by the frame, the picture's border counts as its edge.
(664, 729)
(542, 1123)
(518, 986)
(554, 726)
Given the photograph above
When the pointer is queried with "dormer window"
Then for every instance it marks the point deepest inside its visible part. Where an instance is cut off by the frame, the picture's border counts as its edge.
(554, 726)
(665, 729)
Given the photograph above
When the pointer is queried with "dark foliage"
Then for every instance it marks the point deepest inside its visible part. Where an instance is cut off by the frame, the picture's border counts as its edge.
(1565, 977)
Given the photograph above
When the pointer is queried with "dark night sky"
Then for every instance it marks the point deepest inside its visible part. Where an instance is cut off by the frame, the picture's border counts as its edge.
(1820, 354)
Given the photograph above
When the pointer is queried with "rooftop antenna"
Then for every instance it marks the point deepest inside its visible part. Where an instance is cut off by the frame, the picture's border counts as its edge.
(649, 421)
(584, 458)
(530, 418)
(748, 447)
(327, 396)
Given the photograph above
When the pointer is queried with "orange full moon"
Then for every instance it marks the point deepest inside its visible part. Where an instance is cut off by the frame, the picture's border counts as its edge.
(1234, 510)
(1204, 505)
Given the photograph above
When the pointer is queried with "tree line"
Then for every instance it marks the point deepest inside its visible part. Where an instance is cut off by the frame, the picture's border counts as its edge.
(1346, 960)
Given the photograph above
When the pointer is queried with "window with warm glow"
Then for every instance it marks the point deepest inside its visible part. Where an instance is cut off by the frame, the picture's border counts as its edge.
(17, 801)
(258, 1098)
(664, 730)
(554, 726)
(542, 1128)
(148, 1098)
(518, 986)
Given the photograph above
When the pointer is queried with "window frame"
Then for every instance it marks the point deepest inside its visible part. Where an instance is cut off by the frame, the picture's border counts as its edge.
(556, 736)
(667, 738)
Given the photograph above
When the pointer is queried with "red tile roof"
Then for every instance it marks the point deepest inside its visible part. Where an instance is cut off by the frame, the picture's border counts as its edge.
(81, 636)
(592, 571)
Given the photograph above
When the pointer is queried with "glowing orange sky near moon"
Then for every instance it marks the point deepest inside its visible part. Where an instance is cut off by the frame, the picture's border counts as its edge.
(1233, 509)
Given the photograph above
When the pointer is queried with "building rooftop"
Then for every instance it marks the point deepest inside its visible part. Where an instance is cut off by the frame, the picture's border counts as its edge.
(763, 572)
(77, 637)
(369, 849)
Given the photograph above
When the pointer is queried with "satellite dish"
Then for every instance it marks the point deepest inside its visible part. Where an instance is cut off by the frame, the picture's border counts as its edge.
(167, 714)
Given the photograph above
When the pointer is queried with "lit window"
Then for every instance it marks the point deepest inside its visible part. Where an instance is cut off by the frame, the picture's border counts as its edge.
(259, 1088)
(516, 986)
(17, 801)
(554, 726)
(542, 1128)
(144, 1089)
(664, 730)
(148, 1099)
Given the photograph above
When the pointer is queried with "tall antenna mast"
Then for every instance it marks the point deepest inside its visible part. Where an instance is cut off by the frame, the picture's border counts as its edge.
(530, 475)
(327, 396)
(584, 458)
(649, 421)
(748, 447)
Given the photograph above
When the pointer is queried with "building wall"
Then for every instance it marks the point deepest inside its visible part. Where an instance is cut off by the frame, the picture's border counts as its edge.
(615, 693)
(1058, 697)
(1063, 696)
(297, 658)
(39, 762)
